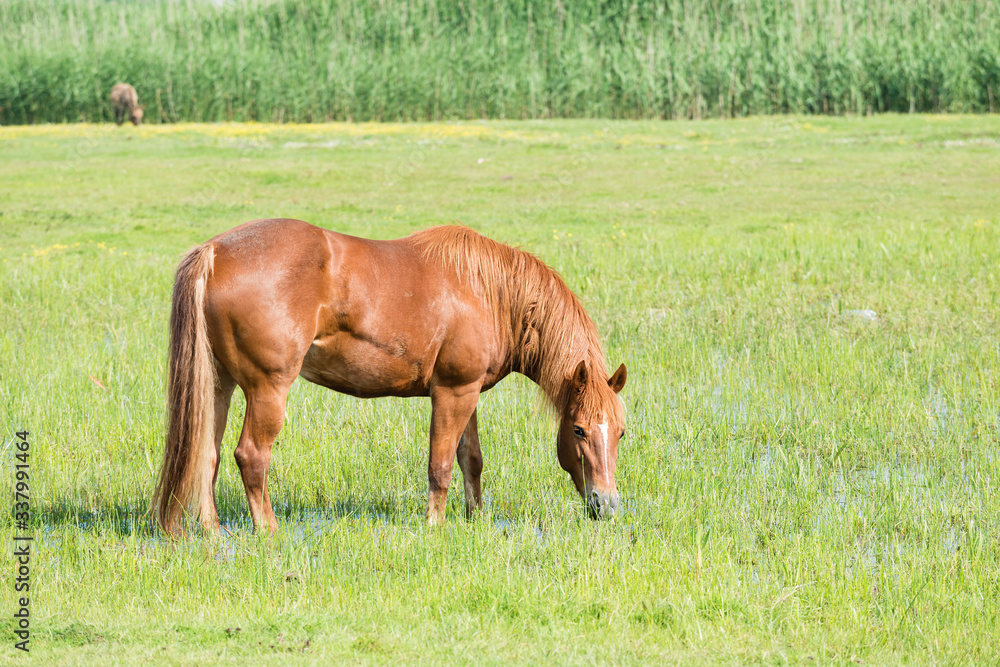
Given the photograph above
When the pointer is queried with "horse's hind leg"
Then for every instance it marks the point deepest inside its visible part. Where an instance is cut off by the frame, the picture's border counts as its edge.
(223, 395)
(264, 419)
(470, 460)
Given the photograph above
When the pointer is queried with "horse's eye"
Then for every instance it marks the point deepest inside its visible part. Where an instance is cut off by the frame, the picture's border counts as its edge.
(622, 435)
(579, 432)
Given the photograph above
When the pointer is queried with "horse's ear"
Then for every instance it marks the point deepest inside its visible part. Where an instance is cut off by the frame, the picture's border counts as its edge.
(617, 381)
(580, 376)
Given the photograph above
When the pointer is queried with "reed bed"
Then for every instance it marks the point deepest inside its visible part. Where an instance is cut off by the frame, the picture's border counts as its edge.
(316, 60)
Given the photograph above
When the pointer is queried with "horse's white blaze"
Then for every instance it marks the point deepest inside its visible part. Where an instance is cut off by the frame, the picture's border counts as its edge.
(604, 443)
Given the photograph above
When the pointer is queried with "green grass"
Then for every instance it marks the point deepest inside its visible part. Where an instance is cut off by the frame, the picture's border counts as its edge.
(315, 60)
(799, 483)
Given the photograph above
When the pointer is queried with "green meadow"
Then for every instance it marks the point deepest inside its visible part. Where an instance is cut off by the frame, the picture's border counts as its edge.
(809, 310)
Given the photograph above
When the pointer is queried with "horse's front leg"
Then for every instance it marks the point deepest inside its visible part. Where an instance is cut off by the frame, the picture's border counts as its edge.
(470, 460)
(451, 411)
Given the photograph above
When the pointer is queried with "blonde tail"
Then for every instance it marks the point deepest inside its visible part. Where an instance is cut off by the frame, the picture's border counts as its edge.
(185, 480)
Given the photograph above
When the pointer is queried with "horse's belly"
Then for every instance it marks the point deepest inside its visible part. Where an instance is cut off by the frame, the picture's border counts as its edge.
(365, 369)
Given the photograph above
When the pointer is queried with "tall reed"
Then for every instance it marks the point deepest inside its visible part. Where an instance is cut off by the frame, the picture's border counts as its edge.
(313, 60)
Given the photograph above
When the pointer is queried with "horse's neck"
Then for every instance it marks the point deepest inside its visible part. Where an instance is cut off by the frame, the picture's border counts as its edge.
(548, 349)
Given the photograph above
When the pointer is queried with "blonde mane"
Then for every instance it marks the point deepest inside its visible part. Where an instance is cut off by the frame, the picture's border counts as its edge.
(541, 321)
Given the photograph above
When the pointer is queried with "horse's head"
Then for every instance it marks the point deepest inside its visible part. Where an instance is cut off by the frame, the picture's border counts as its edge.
(592, 423)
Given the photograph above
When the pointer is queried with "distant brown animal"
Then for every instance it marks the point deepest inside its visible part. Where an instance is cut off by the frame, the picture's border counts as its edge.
(444, 313)
(124, 100)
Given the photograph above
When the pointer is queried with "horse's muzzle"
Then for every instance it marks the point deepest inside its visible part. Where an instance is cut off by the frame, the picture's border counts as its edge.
(602, 505)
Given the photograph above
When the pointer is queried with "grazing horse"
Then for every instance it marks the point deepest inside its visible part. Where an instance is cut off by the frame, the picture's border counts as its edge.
(444, 313)
(125, 101)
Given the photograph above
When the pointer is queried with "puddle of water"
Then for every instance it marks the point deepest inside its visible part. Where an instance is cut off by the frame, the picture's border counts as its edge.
(847, 495)
(301, 524)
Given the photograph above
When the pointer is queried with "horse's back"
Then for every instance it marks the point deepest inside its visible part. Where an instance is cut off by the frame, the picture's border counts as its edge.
(124, 96)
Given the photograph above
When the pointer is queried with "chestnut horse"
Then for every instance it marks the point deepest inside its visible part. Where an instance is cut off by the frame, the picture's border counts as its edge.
(444, 313)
